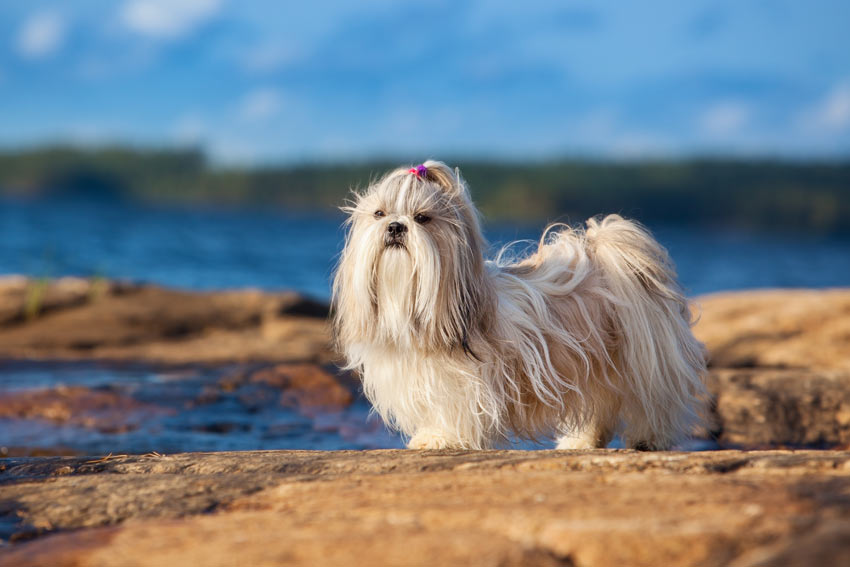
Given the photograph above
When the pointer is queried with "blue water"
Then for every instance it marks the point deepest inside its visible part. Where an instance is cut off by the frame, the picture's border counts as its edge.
(272, 249)
(181, 409)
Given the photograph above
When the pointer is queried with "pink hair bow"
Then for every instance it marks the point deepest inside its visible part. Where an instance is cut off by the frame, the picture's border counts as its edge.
(419, 171)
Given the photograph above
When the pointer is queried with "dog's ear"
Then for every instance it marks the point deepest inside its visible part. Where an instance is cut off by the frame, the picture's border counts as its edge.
(447, 178)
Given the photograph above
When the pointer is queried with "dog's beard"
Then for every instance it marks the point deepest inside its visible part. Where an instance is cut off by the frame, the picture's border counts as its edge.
(410, 299)
(394, 241)
(395, 287)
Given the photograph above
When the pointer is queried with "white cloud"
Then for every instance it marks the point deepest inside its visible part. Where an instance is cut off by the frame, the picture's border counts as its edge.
(167, 19)
(41, 35)
(260, 104)
(724, 118)
(832, 113)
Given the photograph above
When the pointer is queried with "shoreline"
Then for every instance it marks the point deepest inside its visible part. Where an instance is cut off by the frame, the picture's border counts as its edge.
(779, 370)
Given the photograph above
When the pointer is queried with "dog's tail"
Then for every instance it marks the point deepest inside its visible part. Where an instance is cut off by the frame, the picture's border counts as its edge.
(662, 362)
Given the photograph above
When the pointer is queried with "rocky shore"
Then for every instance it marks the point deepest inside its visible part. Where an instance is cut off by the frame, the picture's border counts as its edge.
(780, 379)
(74, 318)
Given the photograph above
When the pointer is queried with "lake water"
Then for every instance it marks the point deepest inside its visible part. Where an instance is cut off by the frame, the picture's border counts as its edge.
(215, 249)
(273, 250)
(174, 410)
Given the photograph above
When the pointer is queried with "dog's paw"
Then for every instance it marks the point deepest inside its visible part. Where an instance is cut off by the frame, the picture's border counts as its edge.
(429, 439)
(577, 441)
(574, 443)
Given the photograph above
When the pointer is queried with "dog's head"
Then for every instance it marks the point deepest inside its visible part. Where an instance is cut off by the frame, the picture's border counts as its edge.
(411, 271)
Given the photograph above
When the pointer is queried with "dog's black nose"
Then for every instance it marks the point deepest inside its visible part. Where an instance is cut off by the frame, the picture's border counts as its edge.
(396, 229)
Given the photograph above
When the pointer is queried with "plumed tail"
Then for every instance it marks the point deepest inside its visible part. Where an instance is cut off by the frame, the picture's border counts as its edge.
(660, 359)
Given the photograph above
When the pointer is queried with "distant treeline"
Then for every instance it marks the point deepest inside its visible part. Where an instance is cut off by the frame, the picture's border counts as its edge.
(762, 194)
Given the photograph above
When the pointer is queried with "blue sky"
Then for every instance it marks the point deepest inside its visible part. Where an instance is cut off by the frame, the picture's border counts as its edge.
(278, 81)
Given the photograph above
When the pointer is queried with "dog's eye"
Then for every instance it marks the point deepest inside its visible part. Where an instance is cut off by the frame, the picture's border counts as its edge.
(421, 219)
(379, 214)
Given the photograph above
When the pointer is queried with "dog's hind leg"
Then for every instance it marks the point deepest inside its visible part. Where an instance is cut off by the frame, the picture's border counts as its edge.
(639, 432)
(595, 433)
(586, 438)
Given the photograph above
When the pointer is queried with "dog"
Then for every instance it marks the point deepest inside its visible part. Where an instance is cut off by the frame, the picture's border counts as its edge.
(587, 337)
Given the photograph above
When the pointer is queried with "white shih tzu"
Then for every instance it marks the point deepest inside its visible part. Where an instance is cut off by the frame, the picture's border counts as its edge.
(587, 337)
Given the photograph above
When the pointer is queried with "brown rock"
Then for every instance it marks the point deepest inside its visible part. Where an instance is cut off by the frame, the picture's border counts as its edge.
(780, 366)
(23, 298)
(13, 291)
(431, 508)
(824, 545)
(54, 451)
(307, 387)
(782, 407)
(80, 319)
(805, 329)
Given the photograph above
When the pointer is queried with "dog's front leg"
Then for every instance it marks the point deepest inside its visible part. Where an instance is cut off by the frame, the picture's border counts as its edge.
(432, 438)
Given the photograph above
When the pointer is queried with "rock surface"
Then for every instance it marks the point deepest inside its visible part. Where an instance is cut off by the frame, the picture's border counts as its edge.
(778, 329)
(780, 366)
(766, 407)
(72, 318)
(305, 387)
(430, 508)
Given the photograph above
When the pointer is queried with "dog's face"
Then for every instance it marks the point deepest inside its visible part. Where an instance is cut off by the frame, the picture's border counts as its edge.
(413, 254)
(403, 213)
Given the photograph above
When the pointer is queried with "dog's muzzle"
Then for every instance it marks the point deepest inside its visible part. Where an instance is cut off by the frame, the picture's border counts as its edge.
(395, 234)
